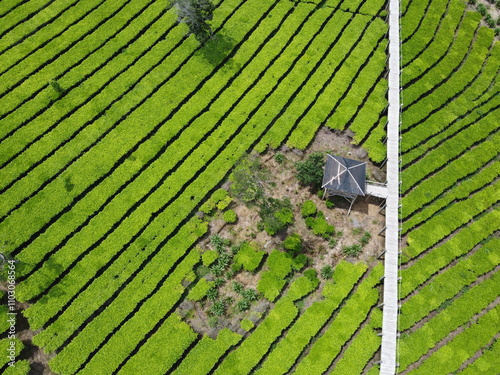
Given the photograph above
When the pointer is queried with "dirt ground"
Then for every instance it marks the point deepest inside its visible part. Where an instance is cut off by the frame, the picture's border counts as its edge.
(364, 213)
(364, 217)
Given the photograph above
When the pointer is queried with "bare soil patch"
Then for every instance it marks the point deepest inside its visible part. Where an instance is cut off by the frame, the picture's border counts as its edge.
(364, 217)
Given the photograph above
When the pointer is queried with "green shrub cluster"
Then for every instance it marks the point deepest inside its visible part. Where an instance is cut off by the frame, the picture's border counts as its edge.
(230, 217)
(433, 188)
(347, 321)
(442, 126)
(220, 199)
(124, 340)
(450, 357)
(320, 226)
(302, 286)
(139, 217)
(81, 308)
(208, 349)
(249, 256)
(247, 180)
(452, 218)
(249, 296)
(359, 352)
(449, 151)
(5, 344)
(458, 312)
(488, 363)
(342, 85)
(458, 245)
(302, 92)
(249, 353)
(247, 325)
(449, 283)
(293, 243)
(199, 291)
(272, 281)
(327, 272)
(309, 323)
(208, 257)
(309, 209)
(166, 353)
(276, 215)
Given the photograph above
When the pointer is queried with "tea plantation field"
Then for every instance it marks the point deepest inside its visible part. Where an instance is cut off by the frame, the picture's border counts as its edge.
(116, 128)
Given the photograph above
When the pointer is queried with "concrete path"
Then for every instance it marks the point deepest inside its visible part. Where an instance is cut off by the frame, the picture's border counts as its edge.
(376, 190)
(390, 309)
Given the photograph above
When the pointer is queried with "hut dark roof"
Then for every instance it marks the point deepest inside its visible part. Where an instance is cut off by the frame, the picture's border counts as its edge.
(344, 176)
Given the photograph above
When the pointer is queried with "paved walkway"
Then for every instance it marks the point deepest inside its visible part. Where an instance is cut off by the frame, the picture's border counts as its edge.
(376, 190)
(390, 315)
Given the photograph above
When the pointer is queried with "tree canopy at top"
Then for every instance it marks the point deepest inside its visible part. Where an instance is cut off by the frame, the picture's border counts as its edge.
(196, 13)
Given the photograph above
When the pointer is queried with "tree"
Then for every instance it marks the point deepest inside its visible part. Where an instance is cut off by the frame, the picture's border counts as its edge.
(248, 180)
(310, 171)
(196, 13)
(276, 215)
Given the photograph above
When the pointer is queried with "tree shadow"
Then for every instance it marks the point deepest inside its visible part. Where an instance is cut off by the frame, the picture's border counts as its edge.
(217, 49)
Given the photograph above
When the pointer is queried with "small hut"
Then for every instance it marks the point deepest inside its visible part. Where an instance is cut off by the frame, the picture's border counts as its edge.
(344, 177)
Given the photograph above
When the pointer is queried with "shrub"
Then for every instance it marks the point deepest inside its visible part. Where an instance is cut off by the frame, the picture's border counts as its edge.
(218, 308)
(224, 202)
(209, 206)
(200, 290)
(212, 294)
(230, 217)
(213, 322)
(309, 208)
(300, 261)
(217, 242)
(236, 267)
(235, 249)
(238, 287)
(365, 239)
(276, 215)
(293, 243)
(489, 20)
(332, 243)
(326, 272)
(310, 171)
(356, 231)
(247, 324)
(247, 180)
(250, 295)
(217, 269)
(208, 257)
(352, 250)
(482, 9)
(320, 227)
(243, 305)
(280, 158)
(330, 204)
(311, 274)
(301, 287)
(249, 256)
